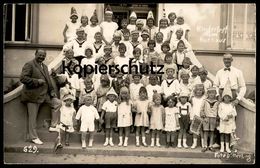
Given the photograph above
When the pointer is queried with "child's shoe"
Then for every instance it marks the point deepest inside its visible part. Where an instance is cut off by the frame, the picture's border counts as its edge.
(143, 142)
(137, 141)
(221, 146)
(152, 142)
(120, 141)
(84, 145)
(184, 143)
(111, 142)
(126, 142)
(194, 144)
(106, 142)
(227, 148)
(158, 142)
(179, 143)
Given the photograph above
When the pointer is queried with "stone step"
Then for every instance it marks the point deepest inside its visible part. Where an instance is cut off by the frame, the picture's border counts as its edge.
(99, 149)
(99, 137)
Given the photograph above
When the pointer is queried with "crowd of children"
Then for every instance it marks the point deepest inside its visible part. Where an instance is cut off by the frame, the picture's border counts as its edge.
(170, 103)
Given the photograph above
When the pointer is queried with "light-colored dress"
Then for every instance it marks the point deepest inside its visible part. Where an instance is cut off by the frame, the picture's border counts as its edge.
(124, 114)
(156, 121)
(87, 114)
(141, 117)
(196, 106)
(109, 29)
(71, 31)
(66, 118)
(229, 126)
(170, 119)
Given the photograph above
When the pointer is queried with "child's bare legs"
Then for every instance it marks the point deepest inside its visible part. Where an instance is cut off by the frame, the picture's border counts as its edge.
(67, 137)
(184, 138)
(227, 140)
(108, 134)
(143, 136)
(222, 142)
(168, 139)
(137, 133)
(127, 131)
(157, 138)
(153, 135)
(206, 134)
(91, 137)
(120, 136)
(83, 139)
(195, 139)
(180, 135)
(202, 138)
(172, 138)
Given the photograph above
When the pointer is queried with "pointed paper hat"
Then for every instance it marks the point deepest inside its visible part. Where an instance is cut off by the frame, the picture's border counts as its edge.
(111, 92)
(150, 15)
(133, 15)
(94, 16)
(73, 12)
(227, 89)
(108, 10)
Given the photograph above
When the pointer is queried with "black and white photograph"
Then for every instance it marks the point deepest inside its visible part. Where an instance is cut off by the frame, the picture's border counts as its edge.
(129, 83)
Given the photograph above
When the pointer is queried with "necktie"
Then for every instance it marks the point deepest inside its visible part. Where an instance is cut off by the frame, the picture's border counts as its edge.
(226, 69)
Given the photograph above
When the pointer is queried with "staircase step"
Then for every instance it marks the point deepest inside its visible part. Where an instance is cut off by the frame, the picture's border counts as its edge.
(99, 149)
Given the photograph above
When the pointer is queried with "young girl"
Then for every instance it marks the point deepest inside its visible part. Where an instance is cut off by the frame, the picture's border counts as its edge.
(108, 59)
(116, 38)
(180, 54)
(109, 110)
(124, 24)
(124, 115)
(209, 110)
(139, 28)
(84, 22)
(137, 60)
(171, 120)
(69, 32)
(153, 85)
(179, 36)
(135, 86)
(185, 27)
(164, 29)
(196, 103)
(227, 114)
(186, 63)
(93, 28)
(168, 62)
(157, 118)
(87, 89)
(128, 44)
(151, 51)
(101, 93)
(141, 117)
(165, 48)
(135, 43)
(89, 59)
(122, 59)
(185, 109)
(172, 16)
(159, 41)
(132, 22)
(152, 29)
(67, 117)
(144, 40)
(108, 27)
(184, 82)
(87, 114)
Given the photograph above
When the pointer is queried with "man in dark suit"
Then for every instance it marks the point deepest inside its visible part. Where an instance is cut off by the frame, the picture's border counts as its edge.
(38, 89)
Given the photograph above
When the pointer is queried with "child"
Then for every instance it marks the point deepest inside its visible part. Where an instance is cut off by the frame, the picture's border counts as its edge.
(137, 60)
(151, 51)
(101, 93)
(124, 24)
(227, 114)
(171, 120)
(179, 36)
(157, 118)
(135, 43)
(153, 85)
(122, 59)
(159, 41)
(145, 37)
(164, 29)
(141, 117)
(184, 108)
(172, 16)
(135, 86)
(89, 59)
(203, 78)
(108, 59)
(196, 103)
(180, 54)
(98, 46)
(116, 38)
(208, 112)
(88, 89)
(139, 28)
(109, 110)
(84, 22)
(194, 78)
(152, 29)
(69, 32)
(165, 48)
(186, 63)
(67, 117)
(184, 82)
(180, 24)
(93, 28)
(119, 82)
(170, 85)
(87, 114)
(108, 27)
(168, 62)
(132, 22)
(128, 44)
(124, 115)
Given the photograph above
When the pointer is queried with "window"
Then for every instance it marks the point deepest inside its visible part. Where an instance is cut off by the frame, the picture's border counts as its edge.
(17, 22)
(242, 21)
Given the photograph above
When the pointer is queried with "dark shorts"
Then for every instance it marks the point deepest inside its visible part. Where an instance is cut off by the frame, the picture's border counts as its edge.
(209, 124)
(184, 122)
(110, 120)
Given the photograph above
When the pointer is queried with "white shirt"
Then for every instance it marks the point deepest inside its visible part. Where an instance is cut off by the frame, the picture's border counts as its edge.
(108, 29)
(87, 114)
(236, 79)
(110, 107)
(174, 87)
(150, 88)
(184, 27)
(196, 106)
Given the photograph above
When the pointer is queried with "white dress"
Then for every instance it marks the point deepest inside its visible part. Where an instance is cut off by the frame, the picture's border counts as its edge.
(141, 117)
(229, 126)
(109, 29)
(124, 114)
(87, 114)
(170, 119)
(196, 106)
(66, 118)
(71, 31)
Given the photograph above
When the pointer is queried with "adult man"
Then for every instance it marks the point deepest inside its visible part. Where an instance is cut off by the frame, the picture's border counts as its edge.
(38, 89)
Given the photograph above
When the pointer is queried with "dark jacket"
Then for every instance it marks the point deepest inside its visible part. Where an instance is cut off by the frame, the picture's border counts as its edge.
(33, 92)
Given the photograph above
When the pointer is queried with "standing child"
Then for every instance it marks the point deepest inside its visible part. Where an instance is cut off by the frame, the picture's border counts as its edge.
(122, 59)
(157, 118)
(98, 46)
(194, 78)
(135, 43)
(119, 82)
(87, 115)
(186, 63)
(159, 41)
(184, 82)
(152, 29)
(145, 37)
(108, 27)
(69, 32)
(153, 85)
(132, 22)
(185, 27)
(151, 52)
(84, 22)
(124, 24)
(163, 28)
(116, 38)
(139, 28)
(93, 28)
(185, 109)
(196, 103)
(203, 78)
(128, 44)
(67, 117)
(88, 89)
(209, 110)
(172, 16)
(179, 36)
(227, 114)
(124, 115)
(171, 120)
(109, 110)
(168, 62)
(141, 117)
(165, 48)
(137, 60)
(89, 59)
